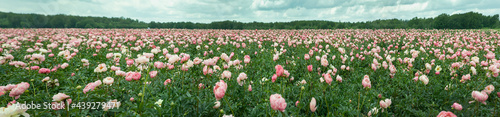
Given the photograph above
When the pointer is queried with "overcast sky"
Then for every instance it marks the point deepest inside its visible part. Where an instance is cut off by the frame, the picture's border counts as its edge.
(206, 11)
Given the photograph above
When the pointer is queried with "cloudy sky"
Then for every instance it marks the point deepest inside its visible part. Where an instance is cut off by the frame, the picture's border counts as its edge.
(206, 11)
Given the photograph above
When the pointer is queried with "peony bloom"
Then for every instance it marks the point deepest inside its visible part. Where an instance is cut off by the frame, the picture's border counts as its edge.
(59, 97)
(247, 59)
(168, 81)
(13, 111)
(217, 105)
(209, 62)
(18, 89)
(339, 79)
(324, 62)
(366, 82)
(38, 58)
(108, 80)
(312, 105)
(480, 96)
(130, 61)
(35, 67)
(120, 73)
(91, 86)
(132, 75)
(279, 70)
(142, 60)
(101, 68)
(488, 89)
(456, 106)
(241, 78)
(153, 74)
(173, 59)
(277, 102)
(64, 65)
(373, 111)
(490, 55)
(226, 74)
(306, 57)
(385, 103)
(44, 71)
(328, 78)
(424, 79)
(159, 65)
(446, 114)
(310, 68)
(220, 89)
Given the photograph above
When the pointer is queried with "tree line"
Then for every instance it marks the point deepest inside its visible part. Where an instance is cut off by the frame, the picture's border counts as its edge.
(469, 20)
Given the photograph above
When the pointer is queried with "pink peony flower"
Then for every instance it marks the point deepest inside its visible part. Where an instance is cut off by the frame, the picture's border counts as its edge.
(446, 114)
(35, 67)
(132, 75)
(490, 55)
(247, 59)
(339, 79)
(277, 102)
(18, 89)
(159, 65)
(310, 68)
(120, 73)
(273, 79)
(153, 74)
(456, 106)
(488, 89)
(44, 71)
(250, 88)
(168, 81)
(130, 61)
(241, 78)
(328, 78)
(59, 97)
(64, 65)
(480, 96)
(312, 105)
(220, 89)
(226, 74)
(366, 82)
(465, 78)
(385, 103)
(279, 70)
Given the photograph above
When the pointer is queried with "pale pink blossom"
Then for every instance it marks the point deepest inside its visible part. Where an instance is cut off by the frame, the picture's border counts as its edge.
(366, 82)
(59, 97)
(108, 80)
(312, 105)
(226, 74)
(456, 106)
(220, 89)
(446, 114)
(277, 102)
(132, 75)
(480, 96)
(153, 74)
(385, 103)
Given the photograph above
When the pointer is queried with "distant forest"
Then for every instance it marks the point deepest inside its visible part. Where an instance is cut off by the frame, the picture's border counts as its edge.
(469, 20)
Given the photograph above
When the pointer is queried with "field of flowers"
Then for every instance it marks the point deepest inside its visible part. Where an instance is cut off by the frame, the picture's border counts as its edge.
(175, 72)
